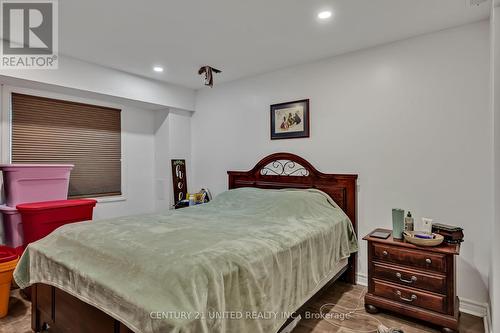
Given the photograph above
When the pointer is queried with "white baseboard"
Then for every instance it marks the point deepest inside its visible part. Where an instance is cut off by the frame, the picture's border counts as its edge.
(488, 328)
(468, 306)
(474, 308)
(362, 279)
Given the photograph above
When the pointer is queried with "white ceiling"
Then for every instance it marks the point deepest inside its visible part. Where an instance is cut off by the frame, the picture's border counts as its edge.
(241, 37)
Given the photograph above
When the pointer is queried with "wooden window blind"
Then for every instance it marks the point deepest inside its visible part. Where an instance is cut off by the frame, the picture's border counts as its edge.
(48, 130)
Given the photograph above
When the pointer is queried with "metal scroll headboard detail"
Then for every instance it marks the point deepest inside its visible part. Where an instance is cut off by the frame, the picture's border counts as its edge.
(284, 168)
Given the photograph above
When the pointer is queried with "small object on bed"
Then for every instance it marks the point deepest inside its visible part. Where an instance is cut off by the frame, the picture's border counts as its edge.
(201, 197)
(181, 204)
(423, 239)
(191, 200)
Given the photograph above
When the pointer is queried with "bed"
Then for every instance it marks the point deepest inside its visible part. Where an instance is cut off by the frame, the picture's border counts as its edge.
(242, 263)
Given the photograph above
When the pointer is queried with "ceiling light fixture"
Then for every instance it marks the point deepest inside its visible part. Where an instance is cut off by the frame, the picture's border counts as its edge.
(325, 15)
(158, 69)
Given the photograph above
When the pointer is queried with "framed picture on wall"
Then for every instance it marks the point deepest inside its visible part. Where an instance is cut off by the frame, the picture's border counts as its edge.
(290, 120)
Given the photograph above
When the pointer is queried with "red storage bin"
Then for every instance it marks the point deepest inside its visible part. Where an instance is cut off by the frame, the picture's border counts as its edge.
(41, 218)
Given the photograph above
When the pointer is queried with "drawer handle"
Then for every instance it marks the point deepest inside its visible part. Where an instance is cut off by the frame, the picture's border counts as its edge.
(400, 277)
(45, 327)
(428, 261)
(385, 253)
(413, 297)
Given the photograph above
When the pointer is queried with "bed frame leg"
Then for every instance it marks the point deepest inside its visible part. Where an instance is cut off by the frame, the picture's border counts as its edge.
(35, 322)
(350, 274)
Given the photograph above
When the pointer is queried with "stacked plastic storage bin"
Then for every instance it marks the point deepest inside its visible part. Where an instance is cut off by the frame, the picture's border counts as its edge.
(24, 183)
(36, 204)
(41, 218)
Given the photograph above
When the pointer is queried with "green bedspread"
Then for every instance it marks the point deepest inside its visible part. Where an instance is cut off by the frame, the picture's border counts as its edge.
(233, 265)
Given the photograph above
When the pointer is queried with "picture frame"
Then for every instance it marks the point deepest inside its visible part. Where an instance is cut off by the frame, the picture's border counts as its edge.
(290, 120)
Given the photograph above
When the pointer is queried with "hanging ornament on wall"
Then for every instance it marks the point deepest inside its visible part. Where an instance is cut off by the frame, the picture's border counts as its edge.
(208, 71)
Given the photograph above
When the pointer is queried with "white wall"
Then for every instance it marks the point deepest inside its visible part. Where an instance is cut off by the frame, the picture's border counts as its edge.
(495, 99)
(180, 142)
(411, 118)
(163, 183)
(172, 141)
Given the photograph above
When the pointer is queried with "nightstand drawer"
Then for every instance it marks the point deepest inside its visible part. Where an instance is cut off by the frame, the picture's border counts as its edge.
(410, 257)
(410, 296)
(410, 278)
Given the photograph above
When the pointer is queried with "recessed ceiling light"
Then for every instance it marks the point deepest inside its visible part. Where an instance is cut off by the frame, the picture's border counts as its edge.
(324, 15)
(158, 69)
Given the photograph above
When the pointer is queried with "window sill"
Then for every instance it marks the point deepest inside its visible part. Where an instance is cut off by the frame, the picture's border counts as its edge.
(116, 198)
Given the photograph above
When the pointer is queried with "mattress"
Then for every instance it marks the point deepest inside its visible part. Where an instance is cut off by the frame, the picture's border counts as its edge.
(238, 264)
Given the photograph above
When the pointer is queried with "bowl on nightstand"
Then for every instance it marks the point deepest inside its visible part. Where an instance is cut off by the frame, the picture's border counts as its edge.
(412, 237)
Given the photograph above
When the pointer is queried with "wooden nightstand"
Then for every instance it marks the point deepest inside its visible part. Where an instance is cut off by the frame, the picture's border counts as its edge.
(414, 281)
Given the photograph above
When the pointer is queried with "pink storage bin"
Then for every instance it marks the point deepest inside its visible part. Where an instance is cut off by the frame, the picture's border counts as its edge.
(12, 227)
(35, 182)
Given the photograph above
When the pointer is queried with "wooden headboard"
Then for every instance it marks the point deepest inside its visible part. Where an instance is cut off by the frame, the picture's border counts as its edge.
(285, 170)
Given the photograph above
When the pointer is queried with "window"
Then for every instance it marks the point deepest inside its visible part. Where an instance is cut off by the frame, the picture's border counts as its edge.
(54, 131)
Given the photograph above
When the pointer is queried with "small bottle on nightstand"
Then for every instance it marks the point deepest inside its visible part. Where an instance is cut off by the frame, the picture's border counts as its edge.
(409, 223)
